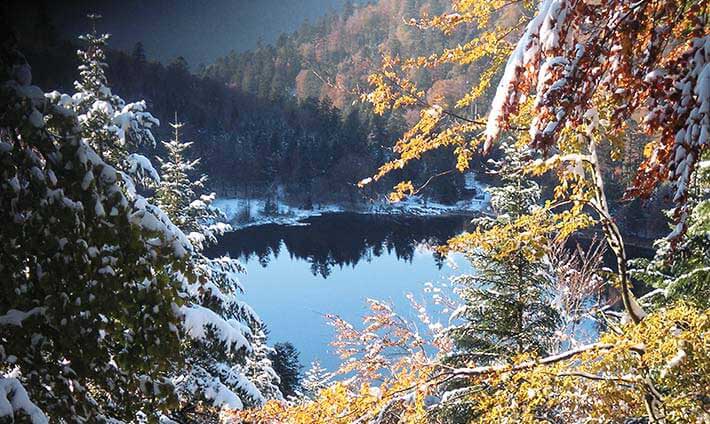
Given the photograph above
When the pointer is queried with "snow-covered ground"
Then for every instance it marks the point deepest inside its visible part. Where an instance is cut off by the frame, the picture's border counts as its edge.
(415, 205)
(242, 213)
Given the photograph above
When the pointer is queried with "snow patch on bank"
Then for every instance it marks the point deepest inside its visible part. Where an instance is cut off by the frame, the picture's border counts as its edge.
(242, 213)
(415, 205)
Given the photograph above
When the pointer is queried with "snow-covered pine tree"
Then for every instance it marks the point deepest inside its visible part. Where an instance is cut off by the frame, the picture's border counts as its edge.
(88, 322)
(216, 376)
(176, 190)
(507, 303)
(181, 197)
(259, 368)
(315, 379)
(114, 128)
(217, 324)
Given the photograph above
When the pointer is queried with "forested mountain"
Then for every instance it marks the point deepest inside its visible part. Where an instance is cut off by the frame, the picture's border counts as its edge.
(250, 142)
(333, 57)
(332, 60)
(288, 120)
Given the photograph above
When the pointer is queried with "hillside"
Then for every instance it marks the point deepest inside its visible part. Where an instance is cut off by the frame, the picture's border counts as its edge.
(285, 120)
(255, 135)
(332, 57)
(331, 60)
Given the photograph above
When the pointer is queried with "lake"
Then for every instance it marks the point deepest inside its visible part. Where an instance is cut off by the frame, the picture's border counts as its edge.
(332, 264)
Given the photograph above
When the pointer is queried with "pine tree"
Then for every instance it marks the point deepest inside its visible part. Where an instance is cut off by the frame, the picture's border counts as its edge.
(286, 364)
(315, 379)
(227, 363)
(138, 53)
(507, 302)
(259, 367)
(181, 197)
(111, 126)
(176, 190)
(87, 318)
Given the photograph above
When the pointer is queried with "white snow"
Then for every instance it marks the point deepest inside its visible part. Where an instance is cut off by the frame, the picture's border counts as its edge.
(14, 398)
(526, 52)
(416, 205)
(198, 319)
(237, 210)
(141, 165)
(674, 362)
(222, 396)
(15, 317)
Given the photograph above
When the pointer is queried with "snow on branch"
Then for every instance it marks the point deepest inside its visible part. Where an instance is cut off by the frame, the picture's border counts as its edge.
(141, 165)
(15, 317)
(541, 33)
(465, 372)
(14, 399)
(198, 320)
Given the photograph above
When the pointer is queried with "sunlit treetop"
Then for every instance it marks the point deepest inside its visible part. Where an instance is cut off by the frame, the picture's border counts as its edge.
(563, 67)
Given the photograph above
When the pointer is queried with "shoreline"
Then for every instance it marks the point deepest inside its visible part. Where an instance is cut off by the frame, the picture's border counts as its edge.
(287, 215)
(243, 213)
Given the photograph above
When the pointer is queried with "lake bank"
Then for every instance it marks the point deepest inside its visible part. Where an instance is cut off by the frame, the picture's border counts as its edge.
(242, 213)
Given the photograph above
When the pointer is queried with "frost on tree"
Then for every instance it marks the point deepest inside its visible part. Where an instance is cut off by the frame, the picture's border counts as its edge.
(87, 324)
(315, 379)
(259, 367)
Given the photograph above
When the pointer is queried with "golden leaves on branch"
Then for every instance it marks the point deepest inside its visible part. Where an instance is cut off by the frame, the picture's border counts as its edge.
(528, 234)
(464, 12)
(488, 44)
(605, 382)
(626, 60)
(390, 89)
(400, 399)
(426, 136)
(602, 382)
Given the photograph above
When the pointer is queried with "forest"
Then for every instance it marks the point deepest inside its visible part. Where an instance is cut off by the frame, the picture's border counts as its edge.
(578, 277)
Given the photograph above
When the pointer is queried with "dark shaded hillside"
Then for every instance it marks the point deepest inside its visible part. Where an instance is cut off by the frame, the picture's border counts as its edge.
(285, 118)
(249, 144)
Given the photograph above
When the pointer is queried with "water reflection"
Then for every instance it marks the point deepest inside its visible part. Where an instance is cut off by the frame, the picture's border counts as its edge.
(333, 265)
(336, 262)
(343, 239)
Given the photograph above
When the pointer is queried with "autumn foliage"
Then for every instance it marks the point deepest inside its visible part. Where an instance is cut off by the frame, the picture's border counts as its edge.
(576, 80)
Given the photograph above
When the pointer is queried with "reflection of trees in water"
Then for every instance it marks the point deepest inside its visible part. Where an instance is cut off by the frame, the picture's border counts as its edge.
(341, 239)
